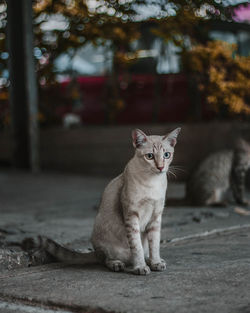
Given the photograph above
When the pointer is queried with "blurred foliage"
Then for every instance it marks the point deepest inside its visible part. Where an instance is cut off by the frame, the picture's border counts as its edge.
(109, 22)
(222, 76)
(188, 24)
(114, 24)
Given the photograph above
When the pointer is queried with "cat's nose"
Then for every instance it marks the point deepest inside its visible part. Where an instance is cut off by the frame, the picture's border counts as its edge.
(160, 168)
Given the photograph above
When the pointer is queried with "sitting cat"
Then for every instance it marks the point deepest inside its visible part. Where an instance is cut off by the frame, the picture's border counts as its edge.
(219, 173)
(128, 224)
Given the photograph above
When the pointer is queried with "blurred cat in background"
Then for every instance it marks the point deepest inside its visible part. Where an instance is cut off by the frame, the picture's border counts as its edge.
(219, 173)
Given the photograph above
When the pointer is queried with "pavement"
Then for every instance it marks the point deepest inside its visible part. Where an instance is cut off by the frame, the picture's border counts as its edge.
(207, 252)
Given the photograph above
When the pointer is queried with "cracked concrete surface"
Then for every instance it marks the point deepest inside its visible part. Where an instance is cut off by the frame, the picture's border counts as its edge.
(207, 251)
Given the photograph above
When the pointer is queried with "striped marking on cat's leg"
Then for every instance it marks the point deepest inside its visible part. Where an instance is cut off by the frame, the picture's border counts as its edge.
(135, 244)
(153, 233)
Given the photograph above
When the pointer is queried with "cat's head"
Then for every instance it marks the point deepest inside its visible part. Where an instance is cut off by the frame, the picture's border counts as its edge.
(155, 153)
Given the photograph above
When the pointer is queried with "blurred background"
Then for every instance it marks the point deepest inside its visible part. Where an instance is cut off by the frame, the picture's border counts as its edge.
(76, 76)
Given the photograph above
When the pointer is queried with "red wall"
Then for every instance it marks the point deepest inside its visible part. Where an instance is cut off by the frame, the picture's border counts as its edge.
(145, 97)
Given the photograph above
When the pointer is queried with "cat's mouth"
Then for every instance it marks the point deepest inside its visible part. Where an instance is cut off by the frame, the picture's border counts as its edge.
(157, 171)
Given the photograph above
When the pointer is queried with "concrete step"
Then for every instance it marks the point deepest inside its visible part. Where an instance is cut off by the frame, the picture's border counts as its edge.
(210, 274)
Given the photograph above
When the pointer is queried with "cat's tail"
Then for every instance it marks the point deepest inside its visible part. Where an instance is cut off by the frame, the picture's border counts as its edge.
(61, 253)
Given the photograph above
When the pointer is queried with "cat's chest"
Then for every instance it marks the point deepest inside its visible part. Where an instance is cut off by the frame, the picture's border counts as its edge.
(147, 209)
(154, 191)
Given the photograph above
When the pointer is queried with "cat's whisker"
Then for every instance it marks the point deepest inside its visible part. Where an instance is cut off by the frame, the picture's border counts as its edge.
(172, 173)
(178, 168)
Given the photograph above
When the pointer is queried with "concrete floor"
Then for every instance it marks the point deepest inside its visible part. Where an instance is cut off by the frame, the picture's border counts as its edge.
(207, 251)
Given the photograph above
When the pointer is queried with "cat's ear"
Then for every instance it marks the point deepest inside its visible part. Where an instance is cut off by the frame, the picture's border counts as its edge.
(139, 138)
(172, 137)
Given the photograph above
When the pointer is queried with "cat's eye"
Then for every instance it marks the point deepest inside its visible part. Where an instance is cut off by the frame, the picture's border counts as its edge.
(149, 156)
(167, 155)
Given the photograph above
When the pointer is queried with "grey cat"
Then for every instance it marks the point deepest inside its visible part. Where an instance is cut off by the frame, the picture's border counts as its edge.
(219, 173)
(126, 234)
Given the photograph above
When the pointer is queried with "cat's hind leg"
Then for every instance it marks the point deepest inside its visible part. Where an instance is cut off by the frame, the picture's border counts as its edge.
(216, 198)
(116, 258)
(115, 265)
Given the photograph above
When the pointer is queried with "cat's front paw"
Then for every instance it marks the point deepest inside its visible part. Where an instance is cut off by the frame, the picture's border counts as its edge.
(157, 266)
(142, 270)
